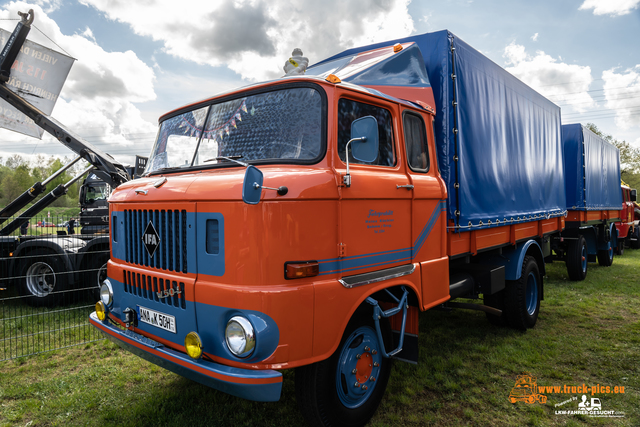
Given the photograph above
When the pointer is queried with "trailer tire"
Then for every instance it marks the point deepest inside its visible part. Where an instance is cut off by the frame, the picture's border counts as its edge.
(620, 247)
(326, 391)
(605, 256)
(577, 258)
(522, 296)
(43, 278)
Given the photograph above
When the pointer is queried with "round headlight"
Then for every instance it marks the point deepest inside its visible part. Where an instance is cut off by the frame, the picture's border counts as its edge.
(240, 336)
(106, 293)
(101, 311)
(193, 345)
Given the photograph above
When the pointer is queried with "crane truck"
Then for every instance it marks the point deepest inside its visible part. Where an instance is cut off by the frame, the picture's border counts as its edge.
(43, 269)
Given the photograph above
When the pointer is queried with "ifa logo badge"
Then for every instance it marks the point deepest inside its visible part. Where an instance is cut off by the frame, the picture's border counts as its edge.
(151, 239)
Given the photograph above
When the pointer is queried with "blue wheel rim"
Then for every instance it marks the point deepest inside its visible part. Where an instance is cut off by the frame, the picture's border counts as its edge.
(583, 254)
(358, 367)
(531, 294)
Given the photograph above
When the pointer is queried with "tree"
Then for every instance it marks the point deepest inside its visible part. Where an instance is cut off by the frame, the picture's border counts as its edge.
(629, 157)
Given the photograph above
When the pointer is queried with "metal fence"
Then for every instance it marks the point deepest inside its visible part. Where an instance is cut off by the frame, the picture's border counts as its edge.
(49, 276)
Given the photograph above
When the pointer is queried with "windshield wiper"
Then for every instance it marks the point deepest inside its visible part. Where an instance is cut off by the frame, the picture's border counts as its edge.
(229, 159)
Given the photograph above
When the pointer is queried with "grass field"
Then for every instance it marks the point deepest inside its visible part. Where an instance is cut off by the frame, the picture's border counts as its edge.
(587, 333)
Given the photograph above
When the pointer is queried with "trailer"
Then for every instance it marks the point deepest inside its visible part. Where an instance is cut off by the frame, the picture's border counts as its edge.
(594, 201)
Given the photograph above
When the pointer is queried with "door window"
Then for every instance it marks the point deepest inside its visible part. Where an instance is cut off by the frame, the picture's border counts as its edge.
(415, 138)
(348, 111)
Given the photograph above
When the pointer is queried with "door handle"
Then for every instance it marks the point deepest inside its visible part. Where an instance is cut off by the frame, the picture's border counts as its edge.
(408, 186)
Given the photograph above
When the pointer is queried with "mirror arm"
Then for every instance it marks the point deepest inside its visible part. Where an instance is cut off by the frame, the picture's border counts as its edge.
(282, 190)
(346, 180)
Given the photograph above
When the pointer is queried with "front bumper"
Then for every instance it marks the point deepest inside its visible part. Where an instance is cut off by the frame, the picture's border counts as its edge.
(261, 386)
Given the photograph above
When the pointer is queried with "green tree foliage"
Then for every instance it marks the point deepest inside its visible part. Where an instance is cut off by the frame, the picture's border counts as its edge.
(17, 176)
(629, 158)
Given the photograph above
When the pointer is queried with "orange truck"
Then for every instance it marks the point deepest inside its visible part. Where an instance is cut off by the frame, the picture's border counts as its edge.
(305, 222)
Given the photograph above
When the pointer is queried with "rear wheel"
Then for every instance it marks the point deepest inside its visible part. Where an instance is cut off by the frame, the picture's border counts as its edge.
(635, 242)
(43, 278)
(605, 256)
(346, 389)
(522, 296)
(577, 259)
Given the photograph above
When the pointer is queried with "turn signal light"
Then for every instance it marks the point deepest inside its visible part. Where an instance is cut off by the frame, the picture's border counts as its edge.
(298, 270)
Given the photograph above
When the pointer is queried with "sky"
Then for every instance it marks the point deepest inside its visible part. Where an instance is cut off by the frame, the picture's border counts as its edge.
(136, 60)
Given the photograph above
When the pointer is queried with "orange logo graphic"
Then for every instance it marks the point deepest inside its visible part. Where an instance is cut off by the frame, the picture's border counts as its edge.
(526, 390)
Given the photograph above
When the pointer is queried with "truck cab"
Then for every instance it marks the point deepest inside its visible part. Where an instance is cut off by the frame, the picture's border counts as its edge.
(627, 228)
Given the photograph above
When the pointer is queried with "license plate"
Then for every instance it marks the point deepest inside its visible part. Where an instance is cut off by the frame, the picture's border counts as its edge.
(157, 319)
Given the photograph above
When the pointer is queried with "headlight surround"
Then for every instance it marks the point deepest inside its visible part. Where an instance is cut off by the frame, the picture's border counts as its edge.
(106, 293)
(240, 336)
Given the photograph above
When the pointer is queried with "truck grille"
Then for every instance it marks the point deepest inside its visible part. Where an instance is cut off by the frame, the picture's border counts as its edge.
(171, 225)
(153, 289)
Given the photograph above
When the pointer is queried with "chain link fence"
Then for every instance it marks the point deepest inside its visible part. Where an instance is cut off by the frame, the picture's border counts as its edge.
(49, 278)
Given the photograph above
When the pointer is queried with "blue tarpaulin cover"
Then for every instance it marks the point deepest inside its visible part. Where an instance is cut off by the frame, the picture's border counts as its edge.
(506, 136)
(592, 169)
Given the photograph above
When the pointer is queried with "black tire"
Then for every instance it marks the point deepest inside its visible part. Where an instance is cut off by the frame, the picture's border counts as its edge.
(605, 256)
(325, 390)
(43, 278)
(635, 244)
(522, 296)
(620, 247)
(577, 258)
(95, 274)
(496, 301)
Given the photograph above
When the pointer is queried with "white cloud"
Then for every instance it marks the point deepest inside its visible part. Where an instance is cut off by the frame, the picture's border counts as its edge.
(97, 100)
(564, 84)
(622, 92)
(534, 37)
(255, 37)
(610, 7)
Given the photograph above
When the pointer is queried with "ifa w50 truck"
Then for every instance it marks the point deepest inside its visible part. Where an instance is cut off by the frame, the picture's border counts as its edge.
(305, 222)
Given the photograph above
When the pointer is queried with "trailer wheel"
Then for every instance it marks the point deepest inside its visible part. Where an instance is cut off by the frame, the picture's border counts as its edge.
(605, 256)
(346, 389)
(522, 296)
(577, 259)
(43, 279)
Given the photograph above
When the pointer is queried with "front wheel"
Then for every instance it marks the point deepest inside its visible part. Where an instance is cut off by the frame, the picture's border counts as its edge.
(346, 389)
(522, 296)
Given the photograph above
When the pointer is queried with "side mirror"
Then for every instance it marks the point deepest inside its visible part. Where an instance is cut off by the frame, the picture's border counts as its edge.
(364, 137)
(365, 150)
(252, 185)
(634, 195)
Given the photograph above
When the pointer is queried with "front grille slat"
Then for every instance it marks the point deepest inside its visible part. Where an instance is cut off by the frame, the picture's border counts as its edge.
(152, 288)
(171, 226)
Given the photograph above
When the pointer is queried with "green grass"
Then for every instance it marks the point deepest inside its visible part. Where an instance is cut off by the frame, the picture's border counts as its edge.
(587, 333)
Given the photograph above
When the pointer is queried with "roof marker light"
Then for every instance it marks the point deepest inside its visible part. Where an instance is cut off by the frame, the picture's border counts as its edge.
(332, 78)
(397, 48)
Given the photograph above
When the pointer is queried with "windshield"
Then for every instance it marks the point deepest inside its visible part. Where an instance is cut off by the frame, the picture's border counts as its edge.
(280, 125)
(95, 192)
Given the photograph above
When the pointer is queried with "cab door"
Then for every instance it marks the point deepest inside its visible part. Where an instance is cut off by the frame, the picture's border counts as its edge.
(375, 210)
(428, 208)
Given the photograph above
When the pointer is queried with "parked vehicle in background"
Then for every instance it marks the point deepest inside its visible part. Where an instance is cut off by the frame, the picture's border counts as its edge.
(628, 228)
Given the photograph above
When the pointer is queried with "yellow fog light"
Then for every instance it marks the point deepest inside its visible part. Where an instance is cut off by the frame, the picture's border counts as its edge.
(101, 311)
(193, 345)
